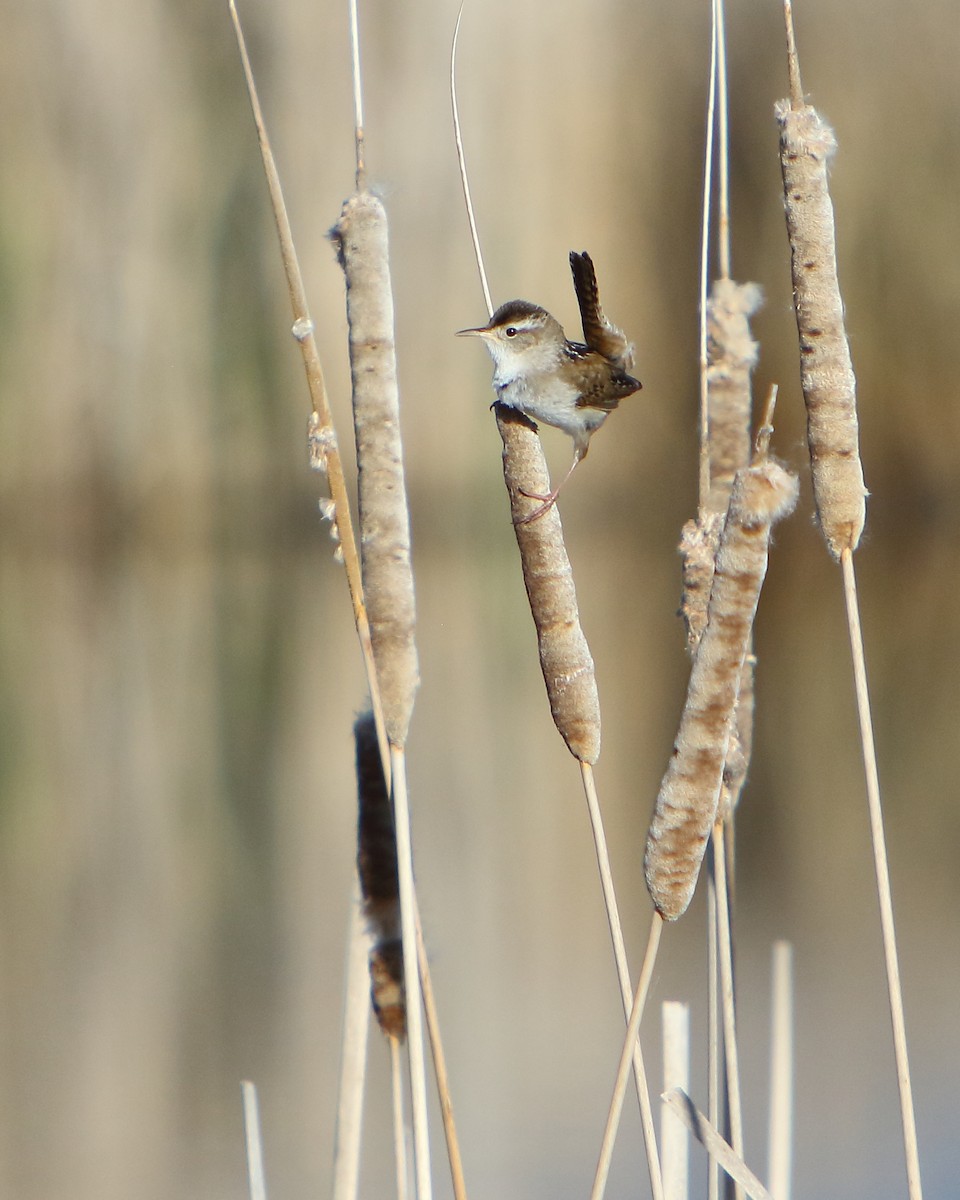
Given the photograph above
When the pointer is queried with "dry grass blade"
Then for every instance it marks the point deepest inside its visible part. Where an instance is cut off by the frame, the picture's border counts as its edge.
(680, 1103)
(687, 803)
(325, 441)
(251, 1130)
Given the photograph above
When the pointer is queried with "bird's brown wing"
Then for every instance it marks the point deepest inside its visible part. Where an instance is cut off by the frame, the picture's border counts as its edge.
(598, 332)
(604, 387)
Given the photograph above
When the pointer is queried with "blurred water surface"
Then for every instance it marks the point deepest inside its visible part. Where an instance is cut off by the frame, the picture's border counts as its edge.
(178, 671)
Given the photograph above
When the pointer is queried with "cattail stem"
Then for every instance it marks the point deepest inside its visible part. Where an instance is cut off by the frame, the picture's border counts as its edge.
(728, 1006)
(884, 895)
(620, 1085)
(620, 958)
(254, 1140)
(353, 1055)
(440, 1068)
(399, 1121)
(408, 922)
(713, 1030)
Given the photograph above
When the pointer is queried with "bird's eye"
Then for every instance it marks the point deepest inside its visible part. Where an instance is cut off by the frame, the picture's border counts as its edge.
(511, 331)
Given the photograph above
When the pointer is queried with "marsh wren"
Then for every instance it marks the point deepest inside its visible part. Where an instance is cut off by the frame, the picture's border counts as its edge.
(570, 385)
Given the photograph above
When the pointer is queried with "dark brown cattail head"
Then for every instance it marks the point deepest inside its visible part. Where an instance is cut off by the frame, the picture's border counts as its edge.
(379, 880)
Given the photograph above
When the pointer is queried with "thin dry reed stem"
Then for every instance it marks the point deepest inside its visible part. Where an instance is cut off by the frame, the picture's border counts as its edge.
(353, 1056)
(358, 135)
(461, 160)
(674, 1139)
(704, 487)
(620, 1085)
(723, 136)
(256, 1178)
(888, 928)
(620, 958)
(727, 1000)
(780, 1140)
(680, 1103)
(713, 1031)
(408, 921)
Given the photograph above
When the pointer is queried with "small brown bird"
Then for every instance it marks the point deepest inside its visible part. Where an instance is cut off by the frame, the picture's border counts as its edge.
(570, 385)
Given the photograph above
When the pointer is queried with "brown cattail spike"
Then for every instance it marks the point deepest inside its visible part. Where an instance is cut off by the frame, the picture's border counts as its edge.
(564, 654)
(807, 144)
(361, 239)
(379, 881)
(686, 806)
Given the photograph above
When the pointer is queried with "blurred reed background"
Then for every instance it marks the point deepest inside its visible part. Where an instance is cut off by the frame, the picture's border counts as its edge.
(179, 669)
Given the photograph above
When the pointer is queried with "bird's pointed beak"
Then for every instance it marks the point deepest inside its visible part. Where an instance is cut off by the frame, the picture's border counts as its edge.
(483, 331)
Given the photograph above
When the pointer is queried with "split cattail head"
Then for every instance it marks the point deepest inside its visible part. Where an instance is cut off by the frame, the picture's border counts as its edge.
(686, 806)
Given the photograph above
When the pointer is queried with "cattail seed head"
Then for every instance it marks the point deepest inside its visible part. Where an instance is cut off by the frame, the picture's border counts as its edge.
(686, 805)
(361, 239)
(564, 654)
(807, 144)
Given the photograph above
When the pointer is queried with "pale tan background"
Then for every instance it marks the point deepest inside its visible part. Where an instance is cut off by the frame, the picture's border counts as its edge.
(179, 674)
